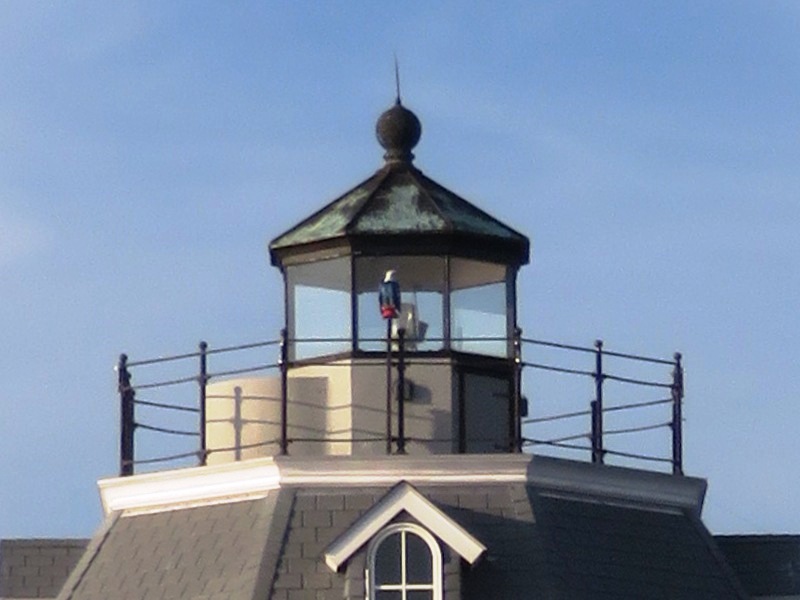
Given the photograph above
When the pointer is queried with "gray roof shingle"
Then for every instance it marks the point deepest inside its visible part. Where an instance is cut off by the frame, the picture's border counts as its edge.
(206, 552)
(767, 565)
(602, 550)
(37, 568)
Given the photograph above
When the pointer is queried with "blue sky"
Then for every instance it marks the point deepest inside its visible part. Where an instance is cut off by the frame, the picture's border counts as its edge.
(149, 151)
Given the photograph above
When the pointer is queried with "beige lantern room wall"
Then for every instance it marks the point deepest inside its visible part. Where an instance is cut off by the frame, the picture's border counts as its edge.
(334, 409)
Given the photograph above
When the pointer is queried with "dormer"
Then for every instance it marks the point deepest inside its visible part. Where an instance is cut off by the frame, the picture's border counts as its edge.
(403, 538)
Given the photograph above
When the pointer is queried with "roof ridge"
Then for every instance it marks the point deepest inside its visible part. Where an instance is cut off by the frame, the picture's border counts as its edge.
(416, 174)
(89, 555)
(718, 554)
(275, 541)
(471, 205)
(362, 184)
(380, 176)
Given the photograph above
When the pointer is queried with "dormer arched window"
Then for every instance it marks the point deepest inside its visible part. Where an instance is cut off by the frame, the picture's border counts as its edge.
(404, 562)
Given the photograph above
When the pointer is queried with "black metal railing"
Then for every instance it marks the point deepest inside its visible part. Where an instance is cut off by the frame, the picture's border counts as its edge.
(599, 407)
(557, 406)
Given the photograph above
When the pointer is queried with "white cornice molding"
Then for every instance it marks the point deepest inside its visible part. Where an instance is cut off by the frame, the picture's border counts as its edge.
(254, 478)
(389, 470)
(190, 487)
(402, 498)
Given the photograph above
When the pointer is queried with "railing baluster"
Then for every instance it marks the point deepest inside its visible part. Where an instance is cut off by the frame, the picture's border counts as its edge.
(677, 416)
(202, 382)
(516, 442)
(597, 406)
(284, 367)
(388, 386)
(401, 391)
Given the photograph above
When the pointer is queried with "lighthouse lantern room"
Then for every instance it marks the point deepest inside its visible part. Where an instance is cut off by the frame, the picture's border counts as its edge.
(456, 267)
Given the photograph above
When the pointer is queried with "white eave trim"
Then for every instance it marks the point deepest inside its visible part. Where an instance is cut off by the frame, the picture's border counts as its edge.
(403, 498)
(254, 478)
(190, 487)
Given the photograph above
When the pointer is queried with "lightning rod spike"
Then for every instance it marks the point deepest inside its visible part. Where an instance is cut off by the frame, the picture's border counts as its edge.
(397, 79)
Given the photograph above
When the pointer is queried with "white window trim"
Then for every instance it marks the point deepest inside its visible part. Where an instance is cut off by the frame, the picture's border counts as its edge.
(403, 497)
(436, 560)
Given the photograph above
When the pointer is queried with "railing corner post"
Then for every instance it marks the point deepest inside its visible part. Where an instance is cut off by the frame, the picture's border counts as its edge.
(677, 416)
(127, 423)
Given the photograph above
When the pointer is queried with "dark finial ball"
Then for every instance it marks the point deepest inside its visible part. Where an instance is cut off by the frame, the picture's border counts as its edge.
(398, 131)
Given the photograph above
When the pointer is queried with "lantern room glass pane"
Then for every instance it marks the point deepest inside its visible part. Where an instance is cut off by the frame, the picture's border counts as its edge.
(319, 308)
(421, 280)
(479, 307)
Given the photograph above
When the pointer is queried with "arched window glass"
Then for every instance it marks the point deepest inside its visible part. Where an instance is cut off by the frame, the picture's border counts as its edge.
(404, 563)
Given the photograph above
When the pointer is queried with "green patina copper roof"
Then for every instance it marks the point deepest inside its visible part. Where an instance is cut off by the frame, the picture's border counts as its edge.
(399, 201)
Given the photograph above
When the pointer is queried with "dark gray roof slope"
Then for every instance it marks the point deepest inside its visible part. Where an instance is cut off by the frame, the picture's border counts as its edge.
(539, 544)
(767, 565)
(598, 550)
(37, 568)
(222, 551)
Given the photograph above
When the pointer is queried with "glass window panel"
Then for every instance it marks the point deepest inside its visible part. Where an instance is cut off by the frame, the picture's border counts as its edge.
(478, 307)
(421, 280)
(387, 561)
(388, 595)
(419, 595)
(319, 307)
(419, 563)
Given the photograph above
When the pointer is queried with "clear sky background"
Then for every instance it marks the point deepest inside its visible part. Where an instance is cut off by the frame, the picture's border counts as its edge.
(149, 151)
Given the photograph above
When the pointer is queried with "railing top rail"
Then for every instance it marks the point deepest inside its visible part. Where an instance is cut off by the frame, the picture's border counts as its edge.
(536, 342)
(249, 346)
(593, 350)
(532, 341)
(650, 359)
(162, 359)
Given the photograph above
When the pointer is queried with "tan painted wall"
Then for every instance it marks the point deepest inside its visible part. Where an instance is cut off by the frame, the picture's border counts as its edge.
(342, 400)
(243, 417)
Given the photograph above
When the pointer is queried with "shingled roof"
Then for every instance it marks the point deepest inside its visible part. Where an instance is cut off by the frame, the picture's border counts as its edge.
(37, 568)
(767, 565)
(211, 552)
(545, 536)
